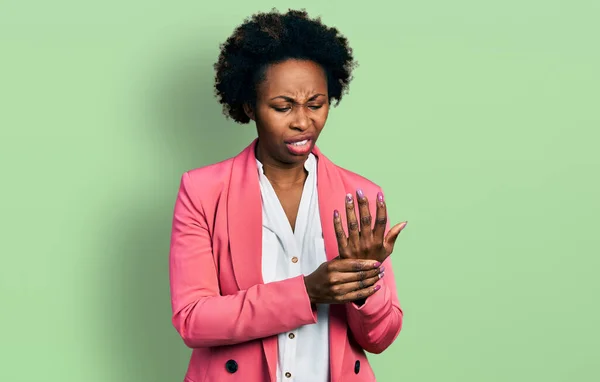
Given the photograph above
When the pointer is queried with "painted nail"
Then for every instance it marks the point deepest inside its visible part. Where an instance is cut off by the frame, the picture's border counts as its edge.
(382, 269)
(380, 197)
(381, 274)
(376, 265)
(377, 287)
(360, 193)
(349, 198)
(336, 214)
(404, 225)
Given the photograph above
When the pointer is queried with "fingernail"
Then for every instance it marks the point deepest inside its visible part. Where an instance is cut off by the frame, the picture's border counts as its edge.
(381, 274)
(349, 198)
(336, 214)
(380, 197)
(382, 269)
(360, 194)
(376, 265)
(377, 287)
(404, 224)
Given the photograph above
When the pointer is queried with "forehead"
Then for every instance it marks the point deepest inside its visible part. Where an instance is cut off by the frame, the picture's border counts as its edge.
(294, 78)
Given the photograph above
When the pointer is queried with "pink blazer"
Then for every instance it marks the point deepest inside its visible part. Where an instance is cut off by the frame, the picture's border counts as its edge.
(222, 308)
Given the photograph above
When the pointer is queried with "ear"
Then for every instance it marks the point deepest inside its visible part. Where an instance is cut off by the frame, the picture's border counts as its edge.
(249, 111)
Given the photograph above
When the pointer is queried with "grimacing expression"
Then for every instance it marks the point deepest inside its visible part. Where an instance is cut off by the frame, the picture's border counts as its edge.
(292, 105)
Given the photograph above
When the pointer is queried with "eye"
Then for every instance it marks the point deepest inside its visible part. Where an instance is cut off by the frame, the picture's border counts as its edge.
(315, 107)
(281, 109)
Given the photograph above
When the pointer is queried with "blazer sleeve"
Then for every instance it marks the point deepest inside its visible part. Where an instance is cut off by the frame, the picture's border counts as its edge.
(377, 323)
(201, 315)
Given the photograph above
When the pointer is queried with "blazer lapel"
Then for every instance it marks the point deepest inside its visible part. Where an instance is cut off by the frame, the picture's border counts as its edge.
(332, 191)
(244, 220)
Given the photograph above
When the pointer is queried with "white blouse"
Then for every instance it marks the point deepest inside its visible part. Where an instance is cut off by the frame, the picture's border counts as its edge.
(303, 354)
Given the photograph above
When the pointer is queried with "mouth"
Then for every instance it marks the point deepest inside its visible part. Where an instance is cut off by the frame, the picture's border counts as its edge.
(299, 146)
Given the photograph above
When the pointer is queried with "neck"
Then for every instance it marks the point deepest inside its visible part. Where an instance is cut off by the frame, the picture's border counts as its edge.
(280, 174)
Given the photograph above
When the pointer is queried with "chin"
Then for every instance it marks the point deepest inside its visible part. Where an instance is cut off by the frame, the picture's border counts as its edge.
(294, 159)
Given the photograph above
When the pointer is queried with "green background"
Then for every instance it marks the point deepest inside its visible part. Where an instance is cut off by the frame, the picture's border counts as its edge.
(480, 120)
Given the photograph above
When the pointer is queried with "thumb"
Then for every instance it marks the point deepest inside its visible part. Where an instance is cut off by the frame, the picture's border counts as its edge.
(392, 235)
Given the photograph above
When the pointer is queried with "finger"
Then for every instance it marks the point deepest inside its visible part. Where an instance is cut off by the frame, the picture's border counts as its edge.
(353, 237)
(390, 238)
(348, 277)
(359, 294)
(342, 240)
(352, 265)
(380, 219)
(362, 284)
(365, 215)
(344, 289)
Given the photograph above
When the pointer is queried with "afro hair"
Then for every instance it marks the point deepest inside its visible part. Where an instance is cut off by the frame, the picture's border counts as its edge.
(268, 38)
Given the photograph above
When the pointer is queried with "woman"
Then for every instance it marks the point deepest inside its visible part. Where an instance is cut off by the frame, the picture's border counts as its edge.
(266, 285)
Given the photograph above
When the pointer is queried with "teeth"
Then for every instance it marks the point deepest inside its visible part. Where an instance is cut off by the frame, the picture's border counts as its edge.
(301, 143)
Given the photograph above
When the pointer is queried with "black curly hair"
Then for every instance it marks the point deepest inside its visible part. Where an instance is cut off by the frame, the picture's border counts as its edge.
(268, 38)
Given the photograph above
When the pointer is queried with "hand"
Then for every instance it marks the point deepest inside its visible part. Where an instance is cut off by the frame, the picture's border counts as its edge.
(368, 243)
(343, 280)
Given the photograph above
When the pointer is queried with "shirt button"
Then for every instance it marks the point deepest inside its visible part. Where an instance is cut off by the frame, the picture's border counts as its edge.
(288, 375)
(292, 336)
(294, 259)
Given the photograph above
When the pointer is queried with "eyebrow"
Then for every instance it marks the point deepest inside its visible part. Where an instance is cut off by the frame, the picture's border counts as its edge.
(289, 99)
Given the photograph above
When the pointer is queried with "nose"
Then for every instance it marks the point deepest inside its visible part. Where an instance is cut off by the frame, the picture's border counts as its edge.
(300, 120)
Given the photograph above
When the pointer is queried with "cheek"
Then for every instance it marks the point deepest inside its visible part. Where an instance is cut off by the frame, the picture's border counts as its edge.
(321, 117)
(272, 117)
(271, 125)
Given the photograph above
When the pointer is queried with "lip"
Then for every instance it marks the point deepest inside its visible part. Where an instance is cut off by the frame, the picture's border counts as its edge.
(302, 150)
(300, 138)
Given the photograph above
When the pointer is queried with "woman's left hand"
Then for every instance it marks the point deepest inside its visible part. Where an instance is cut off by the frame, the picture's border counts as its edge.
(364, 240)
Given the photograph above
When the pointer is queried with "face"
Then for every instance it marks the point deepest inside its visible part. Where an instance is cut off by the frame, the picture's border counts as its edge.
(291, 108)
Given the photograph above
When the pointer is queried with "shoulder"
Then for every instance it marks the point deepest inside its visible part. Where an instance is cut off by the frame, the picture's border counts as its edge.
(358, 181)
(353, 180)
(210, 174)
(206, 185)
(207, 181)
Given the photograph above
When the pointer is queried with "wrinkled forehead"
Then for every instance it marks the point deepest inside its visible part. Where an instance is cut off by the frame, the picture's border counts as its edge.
(296, 79)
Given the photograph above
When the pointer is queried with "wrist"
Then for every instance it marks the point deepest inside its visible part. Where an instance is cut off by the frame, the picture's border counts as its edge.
(310, 298)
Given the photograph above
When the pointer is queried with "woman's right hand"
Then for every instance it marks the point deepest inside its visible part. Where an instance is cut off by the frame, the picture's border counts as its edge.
(343, 280)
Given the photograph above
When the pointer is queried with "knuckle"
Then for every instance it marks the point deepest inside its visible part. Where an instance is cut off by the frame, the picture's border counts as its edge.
(381, 221)
(366, 220)
(353, 226)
